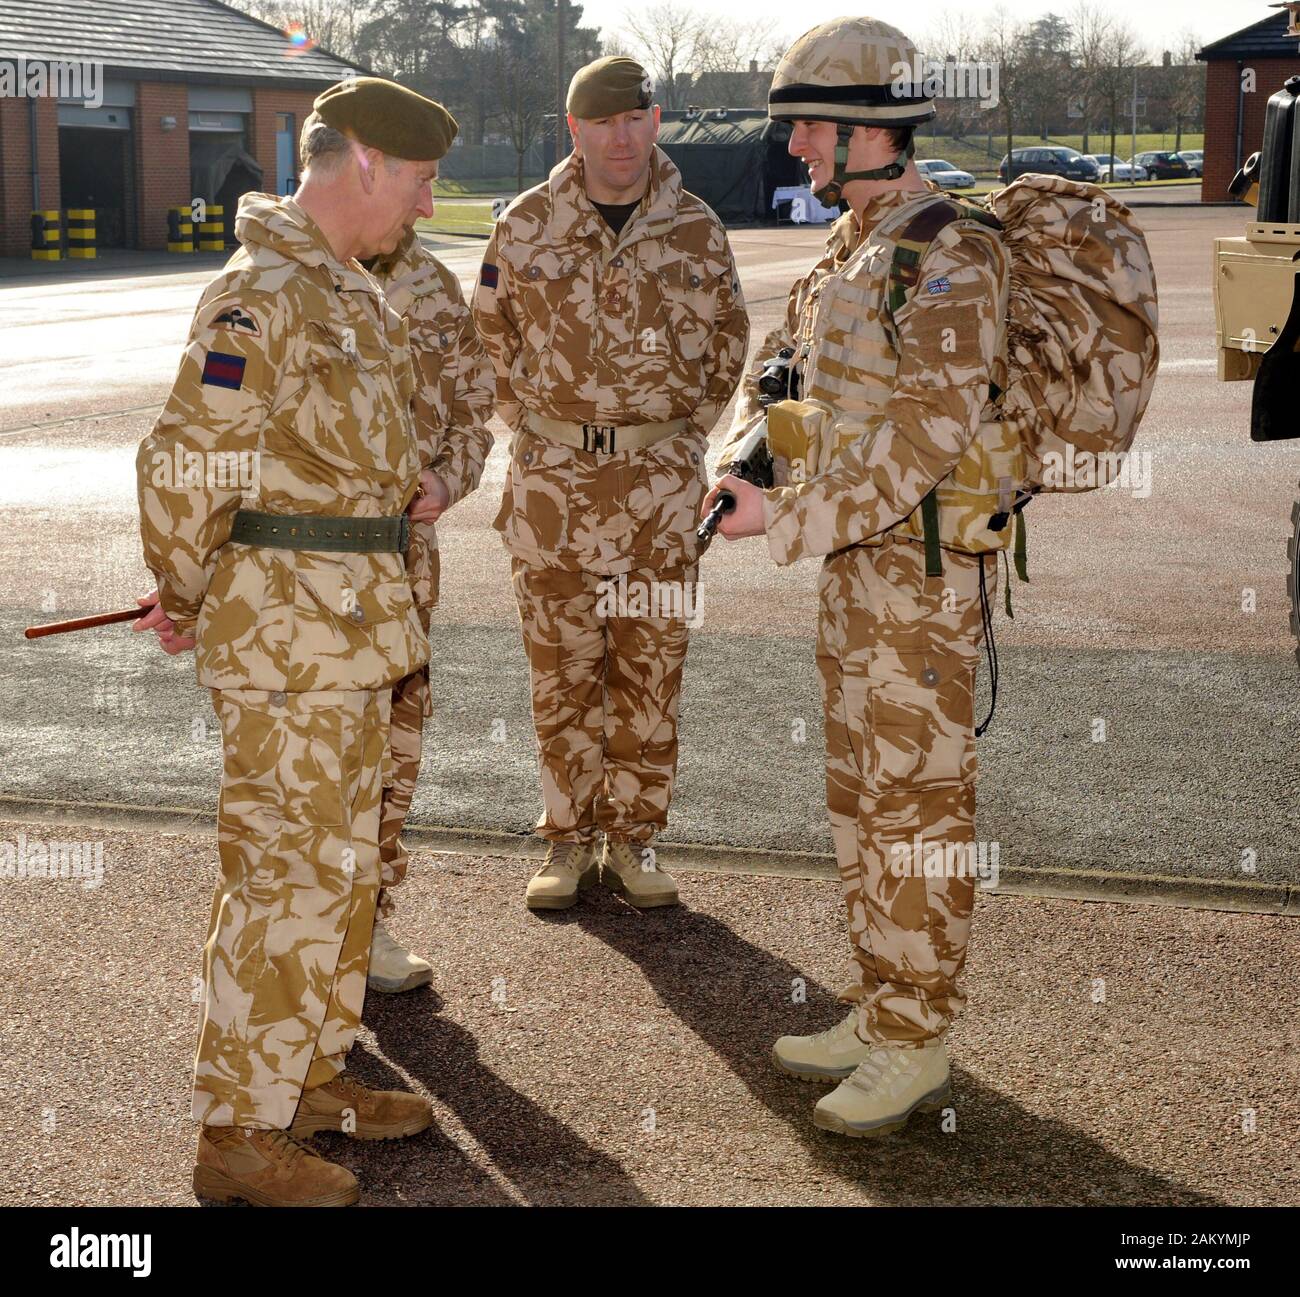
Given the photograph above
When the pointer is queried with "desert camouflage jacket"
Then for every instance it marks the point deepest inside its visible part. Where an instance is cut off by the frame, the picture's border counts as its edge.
(586, 327)
(454, 388)
(293, 397)
(915, 382)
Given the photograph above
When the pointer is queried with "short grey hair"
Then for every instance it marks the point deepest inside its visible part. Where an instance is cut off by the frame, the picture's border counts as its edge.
(321, 145)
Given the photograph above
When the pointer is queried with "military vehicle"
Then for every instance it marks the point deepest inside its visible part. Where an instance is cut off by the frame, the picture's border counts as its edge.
(1257, 290)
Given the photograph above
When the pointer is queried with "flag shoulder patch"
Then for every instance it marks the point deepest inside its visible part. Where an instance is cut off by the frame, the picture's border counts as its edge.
(488, 275)
(220, 370)
(936, 286)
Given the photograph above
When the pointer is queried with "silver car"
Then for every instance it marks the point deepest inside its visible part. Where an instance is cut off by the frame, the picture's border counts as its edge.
(944, 174)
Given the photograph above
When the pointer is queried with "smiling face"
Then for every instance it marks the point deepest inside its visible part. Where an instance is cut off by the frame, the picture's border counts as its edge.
(814, 144)
(400, 193)
(615, 152)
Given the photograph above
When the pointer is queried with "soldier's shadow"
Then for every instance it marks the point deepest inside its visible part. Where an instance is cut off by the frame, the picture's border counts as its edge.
(544, 1161)
(1003, 1153)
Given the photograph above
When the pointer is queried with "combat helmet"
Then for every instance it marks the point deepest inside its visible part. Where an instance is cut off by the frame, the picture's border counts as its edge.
(853, 72)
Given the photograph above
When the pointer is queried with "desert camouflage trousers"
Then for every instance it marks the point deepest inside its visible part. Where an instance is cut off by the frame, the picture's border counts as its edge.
(284, 967)
(897, 653)
(606, 657)
(412, 705)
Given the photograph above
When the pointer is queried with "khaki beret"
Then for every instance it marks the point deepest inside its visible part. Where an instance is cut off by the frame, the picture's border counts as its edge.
(609, 86)
(383, 115)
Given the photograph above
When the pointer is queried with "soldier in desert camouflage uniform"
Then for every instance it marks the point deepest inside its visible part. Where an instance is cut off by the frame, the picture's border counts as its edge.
(453, 402)
(290, 580)
(609, 303)
(897, 648)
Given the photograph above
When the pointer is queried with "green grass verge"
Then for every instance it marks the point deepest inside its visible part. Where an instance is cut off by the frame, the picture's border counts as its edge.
(496, 186)
(458, 218)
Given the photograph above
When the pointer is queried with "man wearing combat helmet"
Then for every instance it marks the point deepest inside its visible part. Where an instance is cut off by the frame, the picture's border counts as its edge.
(293, 589)
(895, 385)
(609, 303)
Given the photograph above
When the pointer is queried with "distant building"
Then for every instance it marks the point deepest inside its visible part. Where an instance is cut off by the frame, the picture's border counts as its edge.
(1234, 113)
(195, 100)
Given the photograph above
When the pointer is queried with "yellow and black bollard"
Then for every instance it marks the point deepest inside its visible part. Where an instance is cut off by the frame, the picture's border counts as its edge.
(212, 233)
(81, 233)
(45, 237)
(180, 230)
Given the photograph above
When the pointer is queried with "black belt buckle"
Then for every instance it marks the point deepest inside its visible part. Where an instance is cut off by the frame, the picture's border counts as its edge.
(594, 434)
(404, 534)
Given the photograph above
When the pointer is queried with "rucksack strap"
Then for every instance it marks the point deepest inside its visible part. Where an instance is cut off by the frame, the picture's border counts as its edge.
(910, 246)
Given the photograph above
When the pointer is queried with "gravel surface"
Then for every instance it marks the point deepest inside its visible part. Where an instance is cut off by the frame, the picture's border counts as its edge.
(606, 1056)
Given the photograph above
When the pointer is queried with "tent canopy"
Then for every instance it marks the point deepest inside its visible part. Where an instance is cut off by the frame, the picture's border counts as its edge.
(733, 158)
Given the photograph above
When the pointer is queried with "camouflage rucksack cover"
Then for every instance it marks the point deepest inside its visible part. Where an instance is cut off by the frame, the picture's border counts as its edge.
(1082, 328)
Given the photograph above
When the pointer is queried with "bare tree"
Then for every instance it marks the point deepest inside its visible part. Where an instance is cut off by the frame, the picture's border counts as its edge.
(1004, 44)
(955, 39)
(1091, 28)
(331, 24)
(1187, 88)
(668, 40)
(1123, 55)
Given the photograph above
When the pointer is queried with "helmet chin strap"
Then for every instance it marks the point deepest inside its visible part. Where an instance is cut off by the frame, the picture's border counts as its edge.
(831, 194)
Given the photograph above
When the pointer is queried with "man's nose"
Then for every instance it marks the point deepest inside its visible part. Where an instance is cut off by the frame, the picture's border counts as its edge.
(795, 147)
(425, 205)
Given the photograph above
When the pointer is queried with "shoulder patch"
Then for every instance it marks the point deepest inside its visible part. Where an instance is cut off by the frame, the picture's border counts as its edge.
(488, 276)
(238, 321)
(220, 370)
(940, 285)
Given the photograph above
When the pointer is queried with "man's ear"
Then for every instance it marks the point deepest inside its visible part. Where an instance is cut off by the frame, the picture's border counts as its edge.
(655, 113)
(368, 163)
(574, 133)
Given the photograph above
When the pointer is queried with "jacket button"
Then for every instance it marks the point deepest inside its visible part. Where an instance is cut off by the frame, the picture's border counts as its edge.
(358, 615)
(618, 261)
(929, 676)
(533, 272)
(695, 281)
(528, 457)
(279, 698)
(695, 457)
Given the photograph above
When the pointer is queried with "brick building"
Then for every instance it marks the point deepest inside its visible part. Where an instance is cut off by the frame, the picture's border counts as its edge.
(196, 100)
(1241, 72)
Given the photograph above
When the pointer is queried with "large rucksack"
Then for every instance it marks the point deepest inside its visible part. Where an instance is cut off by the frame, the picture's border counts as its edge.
(1082, 345)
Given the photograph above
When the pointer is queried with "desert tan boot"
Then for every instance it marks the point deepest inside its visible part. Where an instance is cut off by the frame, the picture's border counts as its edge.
(570, 868)
(268, 1168)
(393, 968)
(885, 1090)
(830, 1055)
(628, 870)
(347, 1106)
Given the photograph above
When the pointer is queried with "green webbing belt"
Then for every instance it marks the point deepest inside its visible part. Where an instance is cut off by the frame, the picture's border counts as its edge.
(310, 531)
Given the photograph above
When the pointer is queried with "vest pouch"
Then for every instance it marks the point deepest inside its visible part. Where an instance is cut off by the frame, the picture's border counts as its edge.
(984, 486)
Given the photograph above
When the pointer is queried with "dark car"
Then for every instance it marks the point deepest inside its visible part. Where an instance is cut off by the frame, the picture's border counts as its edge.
(1164, 166)
(1049, 160)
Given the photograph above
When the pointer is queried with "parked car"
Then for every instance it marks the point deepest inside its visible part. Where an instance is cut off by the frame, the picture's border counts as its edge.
(1050, 160)
(944, 174)
(1108, 162)
(1163, 165)
(1195, 159)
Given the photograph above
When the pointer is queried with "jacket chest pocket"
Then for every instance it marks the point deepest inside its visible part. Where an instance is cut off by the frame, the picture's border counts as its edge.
(431, 353)
(355, 399)
(688, 290)
(552, 292)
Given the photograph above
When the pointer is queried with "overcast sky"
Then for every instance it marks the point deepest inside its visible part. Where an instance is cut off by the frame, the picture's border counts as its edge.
(1157, 23)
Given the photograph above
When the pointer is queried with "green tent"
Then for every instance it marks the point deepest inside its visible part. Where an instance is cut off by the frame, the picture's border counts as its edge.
(733, 158)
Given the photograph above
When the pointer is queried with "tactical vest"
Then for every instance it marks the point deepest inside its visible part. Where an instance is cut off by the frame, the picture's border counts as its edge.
(848, 357)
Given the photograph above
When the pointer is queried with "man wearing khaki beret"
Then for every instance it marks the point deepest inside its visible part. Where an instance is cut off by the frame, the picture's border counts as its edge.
(289, 580)
(609, 303)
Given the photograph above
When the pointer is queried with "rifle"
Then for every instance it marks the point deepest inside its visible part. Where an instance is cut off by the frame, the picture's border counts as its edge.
(753, 463)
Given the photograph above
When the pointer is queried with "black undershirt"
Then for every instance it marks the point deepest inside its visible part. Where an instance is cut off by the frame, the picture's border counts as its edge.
(616, 215)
